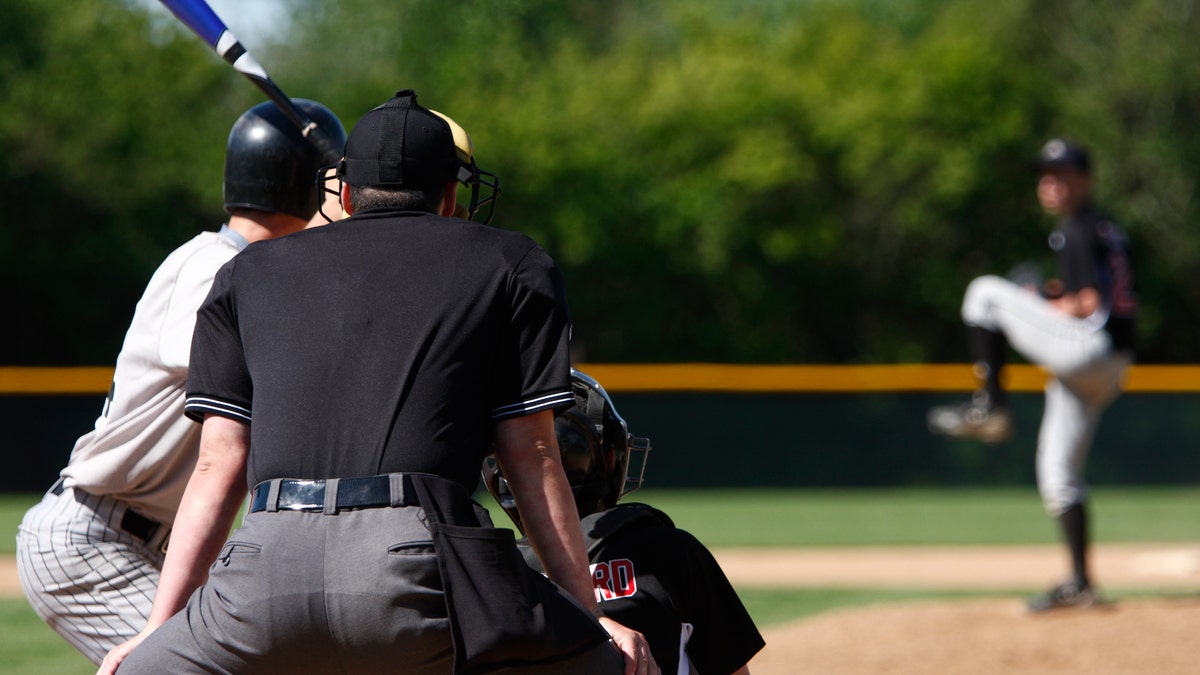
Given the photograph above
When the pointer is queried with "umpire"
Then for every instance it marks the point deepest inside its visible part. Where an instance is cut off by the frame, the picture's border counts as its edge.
(356, 375)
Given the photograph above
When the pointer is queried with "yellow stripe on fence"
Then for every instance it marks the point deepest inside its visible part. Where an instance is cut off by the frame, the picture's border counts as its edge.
(714, 377)
(80, 380)
(817, 379)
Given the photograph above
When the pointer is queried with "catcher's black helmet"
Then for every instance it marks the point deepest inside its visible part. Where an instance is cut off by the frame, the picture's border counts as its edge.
(271, 166)
(602, 460)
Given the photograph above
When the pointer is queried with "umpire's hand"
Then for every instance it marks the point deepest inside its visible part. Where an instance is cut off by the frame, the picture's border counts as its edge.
(638, 659)
(114, 658)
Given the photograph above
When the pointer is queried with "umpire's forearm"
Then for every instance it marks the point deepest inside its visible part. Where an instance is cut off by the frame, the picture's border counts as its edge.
(553, 530)
(210, 503)
(528, 454)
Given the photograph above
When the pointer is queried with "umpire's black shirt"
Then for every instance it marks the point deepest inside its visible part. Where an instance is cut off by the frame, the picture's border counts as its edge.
(390, 341)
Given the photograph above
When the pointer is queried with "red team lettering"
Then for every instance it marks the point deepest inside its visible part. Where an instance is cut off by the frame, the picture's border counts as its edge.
(614, 579)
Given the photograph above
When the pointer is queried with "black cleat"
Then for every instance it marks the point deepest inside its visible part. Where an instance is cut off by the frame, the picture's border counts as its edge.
(1071, 594)
(976, 420)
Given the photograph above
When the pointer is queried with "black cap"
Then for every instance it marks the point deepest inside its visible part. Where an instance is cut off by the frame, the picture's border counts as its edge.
(1058, 153)
(400, 145)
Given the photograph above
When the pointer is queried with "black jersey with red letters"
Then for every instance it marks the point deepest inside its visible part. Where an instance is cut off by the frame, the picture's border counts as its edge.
(661, 581)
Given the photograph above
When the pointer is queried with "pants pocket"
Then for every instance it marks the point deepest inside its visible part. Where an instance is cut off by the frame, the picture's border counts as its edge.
(501, 611)
(237, 550)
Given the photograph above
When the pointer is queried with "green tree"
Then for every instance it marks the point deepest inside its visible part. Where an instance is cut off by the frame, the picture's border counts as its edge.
(735, 182)
(111, 148)
(761, 181)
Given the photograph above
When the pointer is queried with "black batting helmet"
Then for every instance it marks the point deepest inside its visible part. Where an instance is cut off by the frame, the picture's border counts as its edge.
(602, 460)
(271, 166)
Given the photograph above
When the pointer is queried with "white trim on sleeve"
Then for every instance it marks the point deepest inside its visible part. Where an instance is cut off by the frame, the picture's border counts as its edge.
(197, 406)
(549, 401)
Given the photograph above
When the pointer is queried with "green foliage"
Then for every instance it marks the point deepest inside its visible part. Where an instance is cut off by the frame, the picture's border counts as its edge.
(763, 181)
(111, 151)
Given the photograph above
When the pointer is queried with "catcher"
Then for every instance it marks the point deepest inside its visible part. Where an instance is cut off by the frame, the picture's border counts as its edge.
(648, 574)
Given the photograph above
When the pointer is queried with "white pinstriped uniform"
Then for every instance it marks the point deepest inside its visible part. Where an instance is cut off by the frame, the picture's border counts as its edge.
(89, 567)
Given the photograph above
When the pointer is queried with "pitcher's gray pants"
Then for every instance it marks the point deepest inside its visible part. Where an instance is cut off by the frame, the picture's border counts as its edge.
(1086, 377)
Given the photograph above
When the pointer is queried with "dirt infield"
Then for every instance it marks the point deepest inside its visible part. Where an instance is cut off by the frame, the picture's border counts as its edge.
(979, 636)
(1150, 635)
(1126, 566)
(987, 636)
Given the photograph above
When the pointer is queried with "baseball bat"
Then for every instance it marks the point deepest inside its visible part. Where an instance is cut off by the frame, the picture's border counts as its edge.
(204, 22)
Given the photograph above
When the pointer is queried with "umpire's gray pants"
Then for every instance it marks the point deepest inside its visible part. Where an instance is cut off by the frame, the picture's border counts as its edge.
(304, 592)
(1087, 377)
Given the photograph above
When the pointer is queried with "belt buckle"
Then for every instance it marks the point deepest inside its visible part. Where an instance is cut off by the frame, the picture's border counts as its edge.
(301, 495)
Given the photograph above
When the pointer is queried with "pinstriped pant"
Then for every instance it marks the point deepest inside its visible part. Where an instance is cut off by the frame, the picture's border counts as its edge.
(88, 579)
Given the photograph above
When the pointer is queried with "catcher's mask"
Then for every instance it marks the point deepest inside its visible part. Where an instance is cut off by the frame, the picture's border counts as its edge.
(603, 462)
(401, 144)
(271, 166)
(481, 207)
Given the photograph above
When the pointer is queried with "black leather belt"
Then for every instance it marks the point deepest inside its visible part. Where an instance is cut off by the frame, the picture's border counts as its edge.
(296, 494)
(131, 521)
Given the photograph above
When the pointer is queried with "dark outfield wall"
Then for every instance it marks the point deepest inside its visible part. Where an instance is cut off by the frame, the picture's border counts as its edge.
(847, 440)
(39, 434)
(828, 440)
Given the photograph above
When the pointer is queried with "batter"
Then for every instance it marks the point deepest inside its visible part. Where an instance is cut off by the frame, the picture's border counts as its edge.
(89, 554)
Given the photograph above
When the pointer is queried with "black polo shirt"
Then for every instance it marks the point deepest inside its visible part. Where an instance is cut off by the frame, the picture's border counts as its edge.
(389, 341)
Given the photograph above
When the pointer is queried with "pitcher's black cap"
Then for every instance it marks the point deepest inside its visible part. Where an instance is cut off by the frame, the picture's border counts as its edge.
(400, 145)
(1058, 153)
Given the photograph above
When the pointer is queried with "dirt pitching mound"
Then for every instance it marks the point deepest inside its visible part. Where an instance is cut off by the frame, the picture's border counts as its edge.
(980, 635)
(987, 636)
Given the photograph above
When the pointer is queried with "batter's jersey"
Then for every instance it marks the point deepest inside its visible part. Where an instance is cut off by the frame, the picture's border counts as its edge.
(143, 449)
(661, 581)
(386, 342)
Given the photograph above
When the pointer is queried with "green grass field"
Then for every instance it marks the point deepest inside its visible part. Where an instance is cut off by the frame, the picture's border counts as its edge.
(727, 517)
